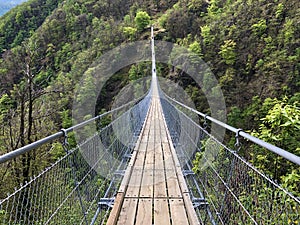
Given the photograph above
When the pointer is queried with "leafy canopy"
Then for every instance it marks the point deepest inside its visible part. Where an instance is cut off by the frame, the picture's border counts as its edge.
(142, 20)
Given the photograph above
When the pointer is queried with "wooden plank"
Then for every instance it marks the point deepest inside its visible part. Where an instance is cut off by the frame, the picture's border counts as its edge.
(157, 136)
(134, 183)
(172, 183)
(149, 160)
(192, 216)
(148, 175)
(144, 212)
(128, 211)
(158, 158)
(163, 135)
(142, 147)
(174, 155)
(181, 180)
(159, 163)
(147, 124)
(114, 214)
(161, 212)
(171, 176)
(180, 177)
(147, 184)
(178, 213)
(151, 138)
(144, 138)
(156, 115)
(159, 173)
(168, 157)
(157, 123)
(159, 183)
(140, 159)
(128, 172)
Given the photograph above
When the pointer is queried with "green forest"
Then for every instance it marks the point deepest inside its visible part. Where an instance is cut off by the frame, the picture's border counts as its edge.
(251, 46)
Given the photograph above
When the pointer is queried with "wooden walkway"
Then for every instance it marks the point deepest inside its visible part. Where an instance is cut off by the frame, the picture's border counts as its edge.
(153, 190)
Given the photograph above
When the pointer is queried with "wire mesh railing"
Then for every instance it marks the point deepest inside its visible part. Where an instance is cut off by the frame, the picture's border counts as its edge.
(225, 188)
(80, 187)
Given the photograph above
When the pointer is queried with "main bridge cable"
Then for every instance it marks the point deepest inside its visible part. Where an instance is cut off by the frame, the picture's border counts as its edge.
(20, 151)
(239, 132)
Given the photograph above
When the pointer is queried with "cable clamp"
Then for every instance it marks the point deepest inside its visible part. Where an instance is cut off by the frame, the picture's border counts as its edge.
(205, 122)
(65, 141)
(237, 144)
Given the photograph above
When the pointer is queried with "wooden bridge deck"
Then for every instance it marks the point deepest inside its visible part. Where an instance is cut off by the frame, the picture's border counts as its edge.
(153, 190)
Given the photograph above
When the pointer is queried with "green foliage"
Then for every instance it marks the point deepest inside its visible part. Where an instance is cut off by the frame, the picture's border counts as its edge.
(208, 38)
(5, 104)
(65, 118)
(127, 19)
(197, 5)
(22, 20)
(195, 47)
(291, 180)
(282, 124)
(196, 169)
(213, 8)
(139, 71)
(269, 45)
(88, 88)
(133, 73)
(57, 151)
(259, 63)
(163, 19)
(279, 11)
(228, 76)
(227, 52)
(288, 31)
(130, 32)
(281, 127)
(259, 28)
(142, 20)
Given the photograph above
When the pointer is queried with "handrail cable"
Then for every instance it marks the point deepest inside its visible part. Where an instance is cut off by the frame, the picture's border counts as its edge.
(279, 151)
(20, 151)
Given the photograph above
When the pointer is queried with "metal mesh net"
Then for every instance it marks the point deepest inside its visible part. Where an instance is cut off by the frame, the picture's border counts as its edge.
(224, 187)
(80, 187)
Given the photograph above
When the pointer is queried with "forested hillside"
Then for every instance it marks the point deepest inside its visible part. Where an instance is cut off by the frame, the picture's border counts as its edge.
(252, 47)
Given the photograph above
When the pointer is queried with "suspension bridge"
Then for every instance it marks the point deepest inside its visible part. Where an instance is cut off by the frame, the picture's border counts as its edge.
(140, 171)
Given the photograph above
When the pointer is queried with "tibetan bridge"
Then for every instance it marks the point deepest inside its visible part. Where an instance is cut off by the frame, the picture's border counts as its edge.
(140, 168)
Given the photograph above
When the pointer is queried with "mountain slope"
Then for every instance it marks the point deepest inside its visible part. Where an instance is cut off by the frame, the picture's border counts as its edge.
(23, 20)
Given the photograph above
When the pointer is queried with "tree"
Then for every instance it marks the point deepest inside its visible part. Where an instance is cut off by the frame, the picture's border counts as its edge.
(130, 32)
(142, 20)
(213, 8)
(22, 107)
(195, 47)
(228, 52)
(281, 127)
(259, 28)
(208, 38)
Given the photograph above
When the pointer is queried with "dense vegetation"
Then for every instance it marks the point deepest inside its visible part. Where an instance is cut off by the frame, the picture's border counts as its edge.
(252, 48)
